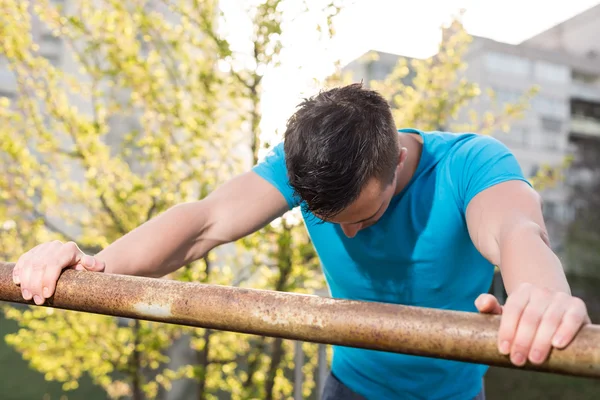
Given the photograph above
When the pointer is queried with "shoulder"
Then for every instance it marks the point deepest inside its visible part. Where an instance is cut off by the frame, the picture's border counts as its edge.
(477, 162)
(273, 169)
(473, 142)
(465, 143)
(475, 148)
(456, 149)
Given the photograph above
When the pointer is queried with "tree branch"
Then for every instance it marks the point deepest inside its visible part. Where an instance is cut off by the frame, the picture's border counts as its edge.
(152, 209)
(112, 214)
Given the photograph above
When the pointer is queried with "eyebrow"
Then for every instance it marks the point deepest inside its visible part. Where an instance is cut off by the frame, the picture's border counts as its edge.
(366, 219)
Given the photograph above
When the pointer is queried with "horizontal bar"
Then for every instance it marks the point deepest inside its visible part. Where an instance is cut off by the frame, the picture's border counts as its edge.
(395, 328)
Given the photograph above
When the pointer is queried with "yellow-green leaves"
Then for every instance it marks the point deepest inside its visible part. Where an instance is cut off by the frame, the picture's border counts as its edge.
(139, 114)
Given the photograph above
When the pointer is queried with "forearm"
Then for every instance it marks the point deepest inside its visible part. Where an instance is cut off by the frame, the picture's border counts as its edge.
(526, 257)
(161, 245)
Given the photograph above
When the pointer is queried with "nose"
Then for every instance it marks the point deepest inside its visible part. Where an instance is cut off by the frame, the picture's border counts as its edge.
(350, 230)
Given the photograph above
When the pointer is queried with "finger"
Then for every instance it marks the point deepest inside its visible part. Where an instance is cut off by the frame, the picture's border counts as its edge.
(21, 262)
(37, 271)
(39, 263)
(528, 326)
(92, 263)
(488, 304)
(574, 318)
(542, 342)
(24, 273)
(80, 258)
(67, 255)
(17, 269)
(24, 279)
(511, 314)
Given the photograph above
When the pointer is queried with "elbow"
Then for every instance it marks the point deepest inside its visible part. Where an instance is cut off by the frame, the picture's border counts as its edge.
(526, 225)
(195, 217)
(523, 232)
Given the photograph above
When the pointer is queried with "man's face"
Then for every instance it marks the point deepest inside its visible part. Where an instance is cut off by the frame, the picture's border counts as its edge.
(367, 209)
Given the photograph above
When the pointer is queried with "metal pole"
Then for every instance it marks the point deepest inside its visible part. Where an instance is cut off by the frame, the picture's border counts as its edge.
(298, 370)
(435, 333)
(323, 370)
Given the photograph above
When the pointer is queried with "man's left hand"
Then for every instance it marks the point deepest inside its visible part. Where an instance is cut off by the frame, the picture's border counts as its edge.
(534, 320)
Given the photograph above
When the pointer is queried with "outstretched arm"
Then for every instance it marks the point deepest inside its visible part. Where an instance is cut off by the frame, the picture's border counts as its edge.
(180, 235)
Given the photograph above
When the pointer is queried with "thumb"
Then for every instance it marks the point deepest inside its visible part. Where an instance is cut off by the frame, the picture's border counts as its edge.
(92, 263)
(488, 304)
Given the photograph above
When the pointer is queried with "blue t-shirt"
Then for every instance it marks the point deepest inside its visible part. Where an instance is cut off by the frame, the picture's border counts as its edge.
(419, 253)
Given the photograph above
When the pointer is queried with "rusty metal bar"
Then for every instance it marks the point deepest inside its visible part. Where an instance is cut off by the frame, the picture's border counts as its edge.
(427, 332)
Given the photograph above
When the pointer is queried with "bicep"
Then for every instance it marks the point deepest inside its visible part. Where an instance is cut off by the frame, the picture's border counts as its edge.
(498, 210)
(242, 206)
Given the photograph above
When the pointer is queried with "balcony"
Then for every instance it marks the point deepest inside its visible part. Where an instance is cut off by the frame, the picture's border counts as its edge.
(585, 91)
(585, 126)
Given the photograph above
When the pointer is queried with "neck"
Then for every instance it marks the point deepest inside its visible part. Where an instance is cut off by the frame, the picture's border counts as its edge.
(414, 146)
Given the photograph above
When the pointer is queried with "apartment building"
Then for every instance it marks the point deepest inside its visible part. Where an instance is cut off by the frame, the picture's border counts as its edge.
(564, 63)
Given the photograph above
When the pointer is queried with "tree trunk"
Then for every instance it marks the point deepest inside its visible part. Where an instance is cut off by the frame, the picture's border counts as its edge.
(202, 355)
(136, 385)
(276, 357)
(254, 362)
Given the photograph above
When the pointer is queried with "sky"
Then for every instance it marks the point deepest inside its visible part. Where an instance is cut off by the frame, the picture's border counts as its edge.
(410, 28)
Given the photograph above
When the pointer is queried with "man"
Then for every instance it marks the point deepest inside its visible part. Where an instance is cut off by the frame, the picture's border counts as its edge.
(402, 216)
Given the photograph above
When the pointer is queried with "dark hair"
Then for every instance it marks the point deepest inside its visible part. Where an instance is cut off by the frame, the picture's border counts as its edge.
(335, 143)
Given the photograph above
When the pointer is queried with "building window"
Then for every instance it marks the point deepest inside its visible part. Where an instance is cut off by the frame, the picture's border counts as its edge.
(516, 137)
(507, 64)
(552, 136)
(551, 140)
(548, 106)
(551, 124)
(507, 96)
(549, 72)
(585, 78)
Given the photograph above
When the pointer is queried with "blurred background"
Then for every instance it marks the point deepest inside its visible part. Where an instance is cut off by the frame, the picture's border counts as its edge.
(112, 111)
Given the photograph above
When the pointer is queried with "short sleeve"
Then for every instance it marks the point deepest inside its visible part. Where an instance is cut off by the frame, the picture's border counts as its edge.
(481, 162)
(273, 169)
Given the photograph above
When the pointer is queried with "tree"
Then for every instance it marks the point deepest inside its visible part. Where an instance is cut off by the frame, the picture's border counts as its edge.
(143, 123)
(94, 153)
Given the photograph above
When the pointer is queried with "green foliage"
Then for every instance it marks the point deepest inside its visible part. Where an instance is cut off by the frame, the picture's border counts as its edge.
(149, 111)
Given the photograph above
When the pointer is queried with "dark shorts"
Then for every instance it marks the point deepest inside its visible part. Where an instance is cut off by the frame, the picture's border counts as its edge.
(336, 390)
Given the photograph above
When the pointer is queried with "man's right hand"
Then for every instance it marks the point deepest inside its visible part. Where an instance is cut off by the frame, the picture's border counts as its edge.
(37, 271)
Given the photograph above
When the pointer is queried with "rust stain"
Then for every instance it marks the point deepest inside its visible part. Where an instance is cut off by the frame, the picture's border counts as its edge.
(428, 332)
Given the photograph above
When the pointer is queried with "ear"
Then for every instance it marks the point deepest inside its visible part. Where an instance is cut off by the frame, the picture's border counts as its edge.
(402, 157)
